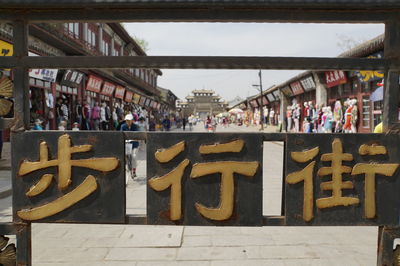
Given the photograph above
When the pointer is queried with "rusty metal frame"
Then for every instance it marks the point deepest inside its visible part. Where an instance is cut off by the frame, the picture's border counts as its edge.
(23, 12)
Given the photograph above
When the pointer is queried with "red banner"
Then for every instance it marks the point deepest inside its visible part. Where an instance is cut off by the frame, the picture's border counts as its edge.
(128, 96)
(94, 84)
(296, 88)
(108, 89)
(335, 78)
(119, 92)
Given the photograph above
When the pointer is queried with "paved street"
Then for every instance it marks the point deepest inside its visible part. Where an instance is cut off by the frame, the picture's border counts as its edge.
(67, 244)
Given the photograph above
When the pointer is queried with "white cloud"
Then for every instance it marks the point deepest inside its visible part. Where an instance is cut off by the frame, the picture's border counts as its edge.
(241, 39)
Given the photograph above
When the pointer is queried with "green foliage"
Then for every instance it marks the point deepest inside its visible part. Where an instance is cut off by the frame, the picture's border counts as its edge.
(142, 42)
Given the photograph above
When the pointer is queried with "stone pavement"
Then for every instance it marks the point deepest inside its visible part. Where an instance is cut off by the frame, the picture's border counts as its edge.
(79, 244)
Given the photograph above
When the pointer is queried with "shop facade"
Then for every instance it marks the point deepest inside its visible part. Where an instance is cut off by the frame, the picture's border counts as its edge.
(72, 89)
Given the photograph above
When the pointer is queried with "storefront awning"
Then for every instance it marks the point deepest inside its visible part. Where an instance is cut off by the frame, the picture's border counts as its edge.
(377, 95)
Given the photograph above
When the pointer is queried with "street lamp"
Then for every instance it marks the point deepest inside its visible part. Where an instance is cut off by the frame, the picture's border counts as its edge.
(259, 87)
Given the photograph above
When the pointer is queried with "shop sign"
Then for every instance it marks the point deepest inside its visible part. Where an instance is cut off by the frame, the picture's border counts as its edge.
(335, 78)
(136, 98)
(128, 96)
(158, 106)
(154, 105)
(72, 78)
(276, 94)
(108, 89)
(142, 100)
(270, 97)
(259, 101)
(6, 49)
(119, 92)
(370, 75)
(287, 91)
(308, 83)
(296, 88)
(265, 101)
(147, 102)
(43, 73)
(254, 103)
(94, 84)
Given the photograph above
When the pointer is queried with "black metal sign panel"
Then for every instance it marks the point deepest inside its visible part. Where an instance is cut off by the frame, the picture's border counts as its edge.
(68, 177)
(204, 179)
(342, 179)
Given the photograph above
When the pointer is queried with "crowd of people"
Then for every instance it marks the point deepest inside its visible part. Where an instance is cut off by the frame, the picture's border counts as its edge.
(323, 119)
(99, 116)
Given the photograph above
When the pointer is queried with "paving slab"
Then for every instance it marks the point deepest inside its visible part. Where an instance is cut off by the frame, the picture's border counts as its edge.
(211, 253)
(77, 255)
(151, 236)
(141, 254)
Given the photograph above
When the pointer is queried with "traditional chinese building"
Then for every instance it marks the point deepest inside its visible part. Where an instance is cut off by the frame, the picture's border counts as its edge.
(202, 103)
(130, 88)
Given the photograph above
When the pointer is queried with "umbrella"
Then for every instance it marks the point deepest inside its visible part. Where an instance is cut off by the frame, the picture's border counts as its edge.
(236, 111)
(377, 95)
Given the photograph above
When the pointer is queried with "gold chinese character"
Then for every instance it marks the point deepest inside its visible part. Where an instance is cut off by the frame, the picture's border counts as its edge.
(226, 169)
(336, 170)
(172, 179)
(305, 175)
(370, 170)
(64, 164)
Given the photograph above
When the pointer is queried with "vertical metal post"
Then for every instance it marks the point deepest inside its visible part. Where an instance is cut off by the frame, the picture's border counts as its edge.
(22, 117)
(24, 245)
(390, 120)
(21, 77)
(391, 97)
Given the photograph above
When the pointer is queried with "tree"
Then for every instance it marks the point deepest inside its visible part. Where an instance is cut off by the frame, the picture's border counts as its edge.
(346, 42)
(142, 43)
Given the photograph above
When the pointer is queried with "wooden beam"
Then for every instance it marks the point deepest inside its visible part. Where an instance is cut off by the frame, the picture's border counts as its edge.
(200, 62)
(391, 97)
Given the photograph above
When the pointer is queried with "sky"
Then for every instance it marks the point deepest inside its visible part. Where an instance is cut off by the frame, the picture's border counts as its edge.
(243, 39)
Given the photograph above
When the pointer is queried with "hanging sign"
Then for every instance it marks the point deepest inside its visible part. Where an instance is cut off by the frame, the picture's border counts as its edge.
(296, 88)
(128, 96)
(308, 83)
(72, 78)
(119, 92)
(287, 91)
(108, 89)
(94, 84)
(136, 98)
(335, 78)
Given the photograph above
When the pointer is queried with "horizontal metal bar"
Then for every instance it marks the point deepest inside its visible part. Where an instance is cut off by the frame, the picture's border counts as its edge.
(132, 135)
(353, 4)
(274, 137)
(135, 219)
(6, 123)
(200, 62)
(206, 14)
(273, 220)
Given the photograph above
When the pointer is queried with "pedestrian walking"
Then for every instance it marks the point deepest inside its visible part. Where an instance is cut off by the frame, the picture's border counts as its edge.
(184, 123)
(166, 123)
(131, 145)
